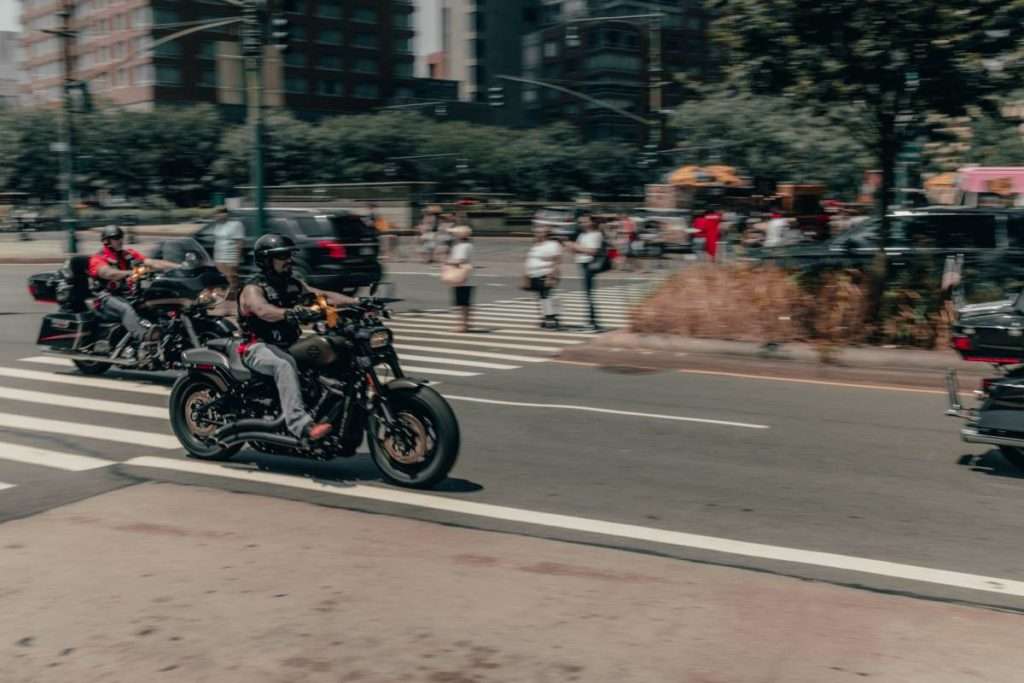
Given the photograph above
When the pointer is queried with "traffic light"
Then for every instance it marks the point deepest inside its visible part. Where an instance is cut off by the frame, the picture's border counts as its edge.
(280, 32)
(496, 95)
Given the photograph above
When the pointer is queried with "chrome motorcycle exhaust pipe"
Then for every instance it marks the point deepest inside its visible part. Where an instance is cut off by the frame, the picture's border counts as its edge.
(972, 436)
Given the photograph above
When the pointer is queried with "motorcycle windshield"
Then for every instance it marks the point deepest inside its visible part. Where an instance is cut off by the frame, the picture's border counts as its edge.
(185, 251)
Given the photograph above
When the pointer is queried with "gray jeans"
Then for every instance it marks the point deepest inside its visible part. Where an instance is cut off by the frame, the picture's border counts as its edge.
(269, 360)
(117, 308)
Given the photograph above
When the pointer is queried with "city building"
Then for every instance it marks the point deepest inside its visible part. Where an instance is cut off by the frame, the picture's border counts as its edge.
(10, 71)
(345, 56)
(583, 47)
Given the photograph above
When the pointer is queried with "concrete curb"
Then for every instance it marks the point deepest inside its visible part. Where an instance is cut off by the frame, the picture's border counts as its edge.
(850, 357)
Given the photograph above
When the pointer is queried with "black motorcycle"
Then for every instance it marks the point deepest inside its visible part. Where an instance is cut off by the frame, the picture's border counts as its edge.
(177, 303)
(351, 378)
(992, 333)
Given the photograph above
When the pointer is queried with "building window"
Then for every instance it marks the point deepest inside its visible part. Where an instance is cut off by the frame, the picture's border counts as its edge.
(165, 15)
(297, 7)
(172, 49)
(208, 50)
(329, 36)
(167, 74)
(550, 49)
(403, 20)
(614, 62)
(329, 87)
(295, 58)
(298, 33)
(403, 69)
(478, 22)
(366, 65)
(208, 76)
(405, 92)
(478, 48)
(330, 9)
(365, 14)
(403, 45)
(329, 62)
(365, 40)
(367, 91)
(296, 84)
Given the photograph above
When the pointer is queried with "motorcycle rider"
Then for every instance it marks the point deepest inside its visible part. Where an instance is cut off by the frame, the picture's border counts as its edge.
(270, 311)
(109, 271)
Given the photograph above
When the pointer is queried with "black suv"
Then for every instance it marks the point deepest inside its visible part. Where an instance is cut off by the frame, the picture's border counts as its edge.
(337, 250)
(988, 238)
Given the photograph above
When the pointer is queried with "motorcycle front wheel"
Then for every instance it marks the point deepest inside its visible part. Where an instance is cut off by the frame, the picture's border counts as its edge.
(426, 450)
(191, 393)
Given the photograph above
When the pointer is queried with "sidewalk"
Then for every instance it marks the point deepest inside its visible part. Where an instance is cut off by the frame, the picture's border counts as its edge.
(179, 583)
(49, 247)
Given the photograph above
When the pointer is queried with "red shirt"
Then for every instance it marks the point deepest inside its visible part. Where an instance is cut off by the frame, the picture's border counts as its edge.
(108, 257)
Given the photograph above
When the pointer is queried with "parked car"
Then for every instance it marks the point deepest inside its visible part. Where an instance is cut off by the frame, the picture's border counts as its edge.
(991, 240)
(676, 235)
(560, 221)
(338, 251)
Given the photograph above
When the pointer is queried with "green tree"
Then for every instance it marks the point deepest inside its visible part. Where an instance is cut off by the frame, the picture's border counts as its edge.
(898, 60)
(771, 137)
(34, 168)
(995, 142)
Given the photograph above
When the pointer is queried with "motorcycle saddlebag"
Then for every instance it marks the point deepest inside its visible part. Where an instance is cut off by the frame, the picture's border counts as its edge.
(65, 331)
(43, 287)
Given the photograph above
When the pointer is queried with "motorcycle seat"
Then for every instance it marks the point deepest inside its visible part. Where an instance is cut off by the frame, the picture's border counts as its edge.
(229, 347)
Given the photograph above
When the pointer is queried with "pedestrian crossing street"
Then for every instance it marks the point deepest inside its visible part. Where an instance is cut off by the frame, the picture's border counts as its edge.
(54, 419)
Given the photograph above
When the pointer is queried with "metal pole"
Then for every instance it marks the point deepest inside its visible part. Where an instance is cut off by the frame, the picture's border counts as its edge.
(252, 48)
(67, 129)
(654, 131)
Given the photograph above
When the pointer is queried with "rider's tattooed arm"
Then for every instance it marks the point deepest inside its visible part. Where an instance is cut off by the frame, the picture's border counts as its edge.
(254, 303)
(333, 298)
(160, 264)
(113, 274)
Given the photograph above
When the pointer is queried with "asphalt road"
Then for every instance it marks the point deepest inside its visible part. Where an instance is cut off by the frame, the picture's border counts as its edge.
(862, 473)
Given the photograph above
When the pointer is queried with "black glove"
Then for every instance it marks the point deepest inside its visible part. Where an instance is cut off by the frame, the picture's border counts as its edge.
(300, 315)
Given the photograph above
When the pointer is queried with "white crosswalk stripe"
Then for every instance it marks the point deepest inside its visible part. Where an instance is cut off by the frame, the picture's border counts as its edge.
(61, 461)
(4, 486)
(101, 432)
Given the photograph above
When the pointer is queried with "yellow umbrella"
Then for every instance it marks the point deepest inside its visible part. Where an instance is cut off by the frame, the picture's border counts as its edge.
(705, 176)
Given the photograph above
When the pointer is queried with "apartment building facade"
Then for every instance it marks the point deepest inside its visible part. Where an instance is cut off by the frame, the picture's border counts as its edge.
(345, 56)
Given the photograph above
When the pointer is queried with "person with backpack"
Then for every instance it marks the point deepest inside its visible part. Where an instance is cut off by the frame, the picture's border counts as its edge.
(592, 257)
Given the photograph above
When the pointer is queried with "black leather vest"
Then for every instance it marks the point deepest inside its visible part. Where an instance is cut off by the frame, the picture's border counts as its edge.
(283, 293)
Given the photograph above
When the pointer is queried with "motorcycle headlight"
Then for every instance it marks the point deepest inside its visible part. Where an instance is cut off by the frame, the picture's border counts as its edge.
(210, 296)
(380, 339)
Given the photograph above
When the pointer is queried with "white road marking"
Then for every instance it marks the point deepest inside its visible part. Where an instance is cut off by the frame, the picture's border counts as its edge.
(608, 411)
(78, 380)
(48, 360)
(468, 342)
(975, 582)
(445, 329)
(437, 371)
(116, 407)
(4, 486)
(457, 361)
(521, 330)
(821, 382)
(502, 314)
(61, 461)
(475, 354)
(88, 431)
(509, 321)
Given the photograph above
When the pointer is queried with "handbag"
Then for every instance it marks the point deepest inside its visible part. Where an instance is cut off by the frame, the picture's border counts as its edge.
(455, 275)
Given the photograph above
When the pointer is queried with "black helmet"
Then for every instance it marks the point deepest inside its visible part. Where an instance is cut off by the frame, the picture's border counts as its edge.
(268, 246)
(111, 232)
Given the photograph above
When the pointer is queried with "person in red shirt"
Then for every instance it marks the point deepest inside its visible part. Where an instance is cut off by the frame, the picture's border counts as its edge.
(109, 271)
(711, 227)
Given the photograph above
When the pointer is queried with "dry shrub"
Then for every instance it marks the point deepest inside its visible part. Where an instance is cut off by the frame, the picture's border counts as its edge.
(734, 301)
(759, 303)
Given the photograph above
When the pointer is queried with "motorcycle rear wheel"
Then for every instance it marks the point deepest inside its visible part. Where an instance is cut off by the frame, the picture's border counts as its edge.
(91, 367)
(436, 445)
(1015, 456)
(188, 395)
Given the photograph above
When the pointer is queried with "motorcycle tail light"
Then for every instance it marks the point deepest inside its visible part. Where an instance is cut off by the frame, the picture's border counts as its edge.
(335, 250)
(962, 343)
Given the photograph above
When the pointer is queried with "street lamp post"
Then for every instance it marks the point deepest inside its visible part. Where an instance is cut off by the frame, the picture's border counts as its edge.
(252, 50)
(65, 147)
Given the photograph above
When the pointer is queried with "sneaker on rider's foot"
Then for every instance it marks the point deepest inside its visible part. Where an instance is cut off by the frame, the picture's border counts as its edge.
(315, 432)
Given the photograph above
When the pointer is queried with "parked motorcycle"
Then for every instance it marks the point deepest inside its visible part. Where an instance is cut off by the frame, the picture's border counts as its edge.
(992, 333)
(177, 302)
(219, 405)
